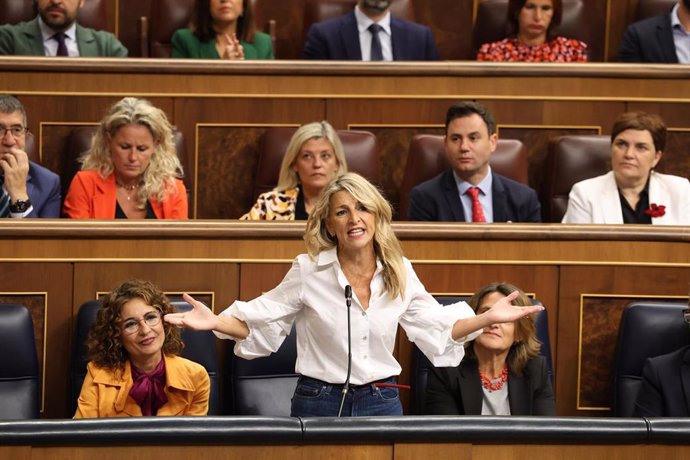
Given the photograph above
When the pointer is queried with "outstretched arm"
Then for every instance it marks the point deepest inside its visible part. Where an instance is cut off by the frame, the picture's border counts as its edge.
(502, 311)
(201, 318)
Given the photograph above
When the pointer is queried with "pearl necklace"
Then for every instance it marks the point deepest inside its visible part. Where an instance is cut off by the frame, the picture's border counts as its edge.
(494, 384)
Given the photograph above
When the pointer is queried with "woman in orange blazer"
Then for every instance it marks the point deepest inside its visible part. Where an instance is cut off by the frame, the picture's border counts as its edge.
(132, 170)
(134, 368)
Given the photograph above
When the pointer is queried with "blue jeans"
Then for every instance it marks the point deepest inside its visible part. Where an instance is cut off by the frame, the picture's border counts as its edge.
(314, 398)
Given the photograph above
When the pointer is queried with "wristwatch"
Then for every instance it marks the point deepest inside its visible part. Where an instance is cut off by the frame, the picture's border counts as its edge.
(20, 206)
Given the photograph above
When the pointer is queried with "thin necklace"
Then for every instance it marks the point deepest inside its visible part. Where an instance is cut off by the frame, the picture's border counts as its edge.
(127, 188)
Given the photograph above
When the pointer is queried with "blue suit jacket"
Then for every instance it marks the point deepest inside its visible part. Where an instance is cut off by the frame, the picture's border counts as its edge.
(338, 39)
(649, 40)
(437, 200)
(43, 187)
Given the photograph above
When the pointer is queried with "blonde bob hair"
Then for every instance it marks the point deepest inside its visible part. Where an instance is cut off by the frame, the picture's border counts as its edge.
(317, 130)
(386, 244)
(164, 166)
(526, 345)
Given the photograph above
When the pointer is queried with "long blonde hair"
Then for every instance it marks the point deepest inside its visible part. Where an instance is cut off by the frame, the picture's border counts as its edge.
(164, 166)
(386, 244)
(317, 130)
(526, 345)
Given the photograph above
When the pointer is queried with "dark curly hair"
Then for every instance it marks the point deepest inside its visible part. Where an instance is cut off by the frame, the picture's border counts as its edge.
(105, 343)
(526, 345)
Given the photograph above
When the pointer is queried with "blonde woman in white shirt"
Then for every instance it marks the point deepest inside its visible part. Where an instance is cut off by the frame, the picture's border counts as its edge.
(350, 243)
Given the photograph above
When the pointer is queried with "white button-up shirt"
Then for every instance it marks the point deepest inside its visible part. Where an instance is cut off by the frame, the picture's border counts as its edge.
(312, 296)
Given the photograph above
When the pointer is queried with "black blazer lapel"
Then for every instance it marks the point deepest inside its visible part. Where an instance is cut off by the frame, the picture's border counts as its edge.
(519, 394)
(349, 36)
(470, 387)
(664, 40)
(685, 380)
(499, 200)
(398, 42)
(450, 192)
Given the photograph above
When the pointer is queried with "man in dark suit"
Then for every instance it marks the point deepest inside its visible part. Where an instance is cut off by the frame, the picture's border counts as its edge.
(469, 191)
(661, 39)
(370, 33)
(26, 189)
(665, 389)
(55, 32)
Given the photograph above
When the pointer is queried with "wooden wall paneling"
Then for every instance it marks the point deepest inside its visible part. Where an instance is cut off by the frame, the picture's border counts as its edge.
(591, 301)
(451, 23)
(46, 289)
(289, 17)
(258, 278)
(129, 12)
(621, 14)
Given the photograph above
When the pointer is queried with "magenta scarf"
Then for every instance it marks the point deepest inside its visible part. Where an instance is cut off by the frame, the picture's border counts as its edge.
(149, 389)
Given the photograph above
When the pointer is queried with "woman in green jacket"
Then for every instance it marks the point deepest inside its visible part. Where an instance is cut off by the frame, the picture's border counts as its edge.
(222, 29)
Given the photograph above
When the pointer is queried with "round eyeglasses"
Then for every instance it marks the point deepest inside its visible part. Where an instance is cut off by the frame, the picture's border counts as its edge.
(132, 326)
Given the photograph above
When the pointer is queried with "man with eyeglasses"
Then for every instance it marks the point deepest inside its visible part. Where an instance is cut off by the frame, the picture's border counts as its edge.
(26, 189)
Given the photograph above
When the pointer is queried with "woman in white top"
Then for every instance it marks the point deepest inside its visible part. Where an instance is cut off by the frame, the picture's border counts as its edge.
(632, 193)
(350, 243)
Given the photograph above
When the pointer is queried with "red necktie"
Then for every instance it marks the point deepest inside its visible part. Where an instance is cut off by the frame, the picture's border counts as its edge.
(477, 211)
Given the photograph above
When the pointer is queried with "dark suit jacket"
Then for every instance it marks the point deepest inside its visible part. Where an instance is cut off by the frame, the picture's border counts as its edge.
(665, 390)
(458, 390)
(43, 188)
(25, 39)
(437, 200)
(649, 40)
(338, 39)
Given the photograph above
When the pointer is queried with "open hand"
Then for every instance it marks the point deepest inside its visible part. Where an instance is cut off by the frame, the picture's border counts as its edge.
(504, 311)
(200, 318)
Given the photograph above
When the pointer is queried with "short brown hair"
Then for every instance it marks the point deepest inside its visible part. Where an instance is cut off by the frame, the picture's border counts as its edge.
(105, 343)
(513, 22)
(642, 121)
(526, 345)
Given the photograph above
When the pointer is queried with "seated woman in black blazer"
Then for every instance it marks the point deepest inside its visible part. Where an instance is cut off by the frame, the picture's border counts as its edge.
(502, 372)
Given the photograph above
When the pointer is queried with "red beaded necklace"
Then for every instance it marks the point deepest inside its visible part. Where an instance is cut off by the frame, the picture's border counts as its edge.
(496, 383)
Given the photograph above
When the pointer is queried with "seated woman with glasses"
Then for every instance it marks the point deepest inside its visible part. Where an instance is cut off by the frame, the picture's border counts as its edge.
(134, 369)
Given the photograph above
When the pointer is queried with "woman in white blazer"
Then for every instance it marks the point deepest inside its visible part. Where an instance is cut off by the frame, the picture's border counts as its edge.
(632, 193)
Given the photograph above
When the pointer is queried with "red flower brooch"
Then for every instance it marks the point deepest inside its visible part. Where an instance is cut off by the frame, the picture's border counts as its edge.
(656, 210)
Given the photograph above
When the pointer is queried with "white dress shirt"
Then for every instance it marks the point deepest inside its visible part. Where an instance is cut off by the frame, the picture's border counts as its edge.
(385, 36)
(312, 296)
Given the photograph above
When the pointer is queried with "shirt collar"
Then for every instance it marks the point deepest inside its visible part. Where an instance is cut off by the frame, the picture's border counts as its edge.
(48, 33)
(363, 21)
(330, 256)
(675, 20)
(484, 186)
